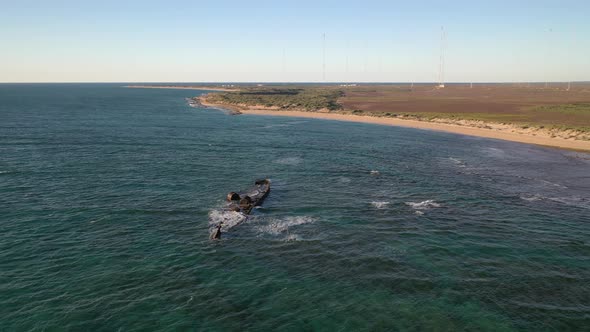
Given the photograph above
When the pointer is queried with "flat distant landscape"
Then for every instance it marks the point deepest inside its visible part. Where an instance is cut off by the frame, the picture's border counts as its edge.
(554, 114)
(537, 105)
(534, 105)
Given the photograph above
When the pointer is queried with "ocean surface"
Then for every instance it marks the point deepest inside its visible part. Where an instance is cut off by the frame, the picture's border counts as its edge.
(107, 196)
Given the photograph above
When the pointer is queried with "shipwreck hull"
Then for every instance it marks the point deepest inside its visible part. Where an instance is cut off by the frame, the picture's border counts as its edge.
(239, 206)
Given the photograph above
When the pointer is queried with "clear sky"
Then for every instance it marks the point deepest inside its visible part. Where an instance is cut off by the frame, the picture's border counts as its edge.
(264, 41)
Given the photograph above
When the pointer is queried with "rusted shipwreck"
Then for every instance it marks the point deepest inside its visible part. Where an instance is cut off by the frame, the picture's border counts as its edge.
(243, 204)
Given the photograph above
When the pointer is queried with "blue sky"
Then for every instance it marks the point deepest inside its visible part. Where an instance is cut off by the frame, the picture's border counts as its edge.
(377, 41)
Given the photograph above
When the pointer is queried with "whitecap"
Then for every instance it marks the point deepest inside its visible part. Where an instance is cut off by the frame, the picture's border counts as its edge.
(380, 205)
(425, 205)
(289, 161)
(419, 213)
(374, 172)
(553, 184)
(278, 226)
(227, 219)
(457, 162)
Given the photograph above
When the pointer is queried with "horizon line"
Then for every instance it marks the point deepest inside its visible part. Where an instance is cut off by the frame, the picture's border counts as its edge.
(295, 82)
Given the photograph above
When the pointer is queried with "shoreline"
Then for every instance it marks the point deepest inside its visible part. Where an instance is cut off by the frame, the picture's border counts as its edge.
(501, 132)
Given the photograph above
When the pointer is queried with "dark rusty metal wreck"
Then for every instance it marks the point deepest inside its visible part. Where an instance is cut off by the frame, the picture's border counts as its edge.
(244, 203)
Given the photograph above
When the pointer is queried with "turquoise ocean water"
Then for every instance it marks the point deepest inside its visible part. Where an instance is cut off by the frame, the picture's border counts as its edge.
(107, 195)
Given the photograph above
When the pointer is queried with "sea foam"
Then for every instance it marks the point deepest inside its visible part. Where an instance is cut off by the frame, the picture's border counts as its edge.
(278, 226)
(425, 205)
(380, 205)
(228, 219)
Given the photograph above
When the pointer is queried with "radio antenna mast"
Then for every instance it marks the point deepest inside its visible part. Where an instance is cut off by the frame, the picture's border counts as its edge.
(441, 67)
(284, 64)
(324, 58)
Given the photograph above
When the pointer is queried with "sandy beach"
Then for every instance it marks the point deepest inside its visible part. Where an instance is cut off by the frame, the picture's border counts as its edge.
(480, 129)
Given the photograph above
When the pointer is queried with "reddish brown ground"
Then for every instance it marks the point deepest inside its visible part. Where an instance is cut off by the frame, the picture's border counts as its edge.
(494, 98)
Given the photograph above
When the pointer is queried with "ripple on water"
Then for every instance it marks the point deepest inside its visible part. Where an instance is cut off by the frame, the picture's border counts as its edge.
(276, 226)
(109, 194)
(292, 161)
(344, 180)
(458, 162)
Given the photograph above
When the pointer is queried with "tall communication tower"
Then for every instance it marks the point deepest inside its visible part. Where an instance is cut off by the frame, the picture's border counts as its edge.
(441, 66)
(324, 57)
(347, 48)
(284, 63)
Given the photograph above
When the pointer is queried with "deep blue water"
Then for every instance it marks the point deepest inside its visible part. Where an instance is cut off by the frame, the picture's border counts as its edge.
(107, 193)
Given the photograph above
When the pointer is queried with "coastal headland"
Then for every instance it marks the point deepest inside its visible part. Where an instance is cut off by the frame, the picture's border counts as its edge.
(552, 116)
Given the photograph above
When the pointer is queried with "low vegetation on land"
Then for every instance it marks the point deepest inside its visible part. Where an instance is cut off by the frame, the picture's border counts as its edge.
(296, 98)
(554, 117)
(536, 108)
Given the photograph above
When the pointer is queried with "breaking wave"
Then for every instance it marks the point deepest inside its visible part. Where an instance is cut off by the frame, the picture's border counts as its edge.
(380, 205)
(549, 183)
(278, 226)
(228, 219)
(425, 205)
